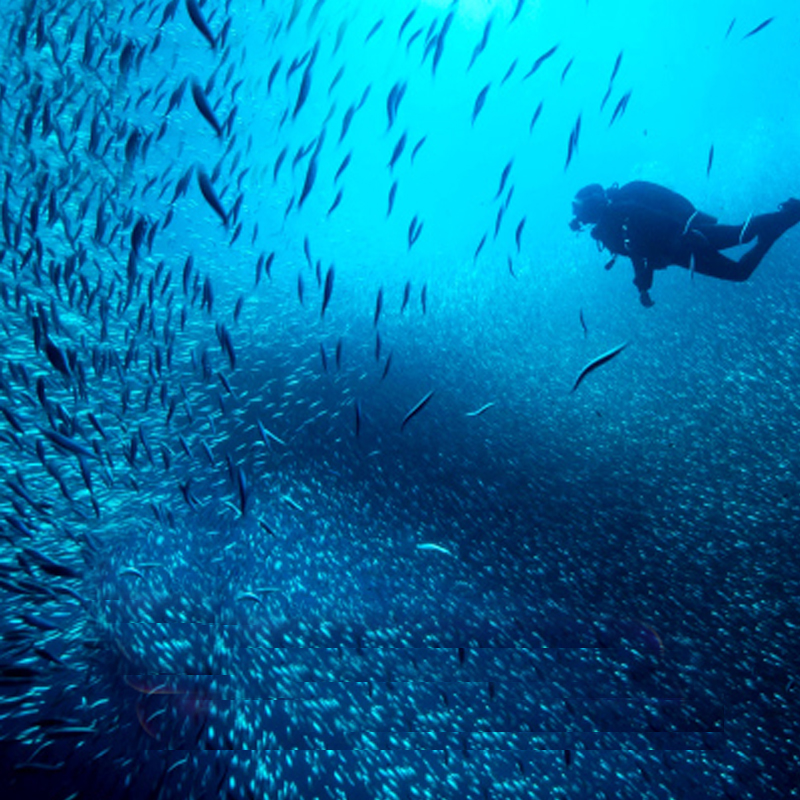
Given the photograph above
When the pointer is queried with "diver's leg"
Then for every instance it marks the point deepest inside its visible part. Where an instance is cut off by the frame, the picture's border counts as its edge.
(721, 237)
(712, 263)
(708, 261)
(764, 226)
(768, 227)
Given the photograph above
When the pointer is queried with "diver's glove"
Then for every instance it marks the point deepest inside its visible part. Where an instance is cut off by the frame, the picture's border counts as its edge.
(645, 300)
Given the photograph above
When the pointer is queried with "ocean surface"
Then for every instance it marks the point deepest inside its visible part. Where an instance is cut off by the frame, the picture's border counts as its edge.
(304, 492)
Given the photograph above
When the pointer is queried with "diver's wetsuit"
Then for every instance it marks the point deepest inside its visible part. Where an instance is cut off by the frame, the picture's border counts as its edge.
(656, 227)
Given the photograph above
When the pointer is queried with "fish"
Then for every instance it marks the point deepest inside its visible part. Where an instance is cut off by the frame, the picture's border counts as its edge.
(481, 46)
(406, 22)
(710, 160)
(620, 108)
(517, 11)
(411, 39)
(414, 230)
(335, 203)
(510, 71)
(293, 14)
(398, 151)
(423, 298)
(598, 362)
(572, 146)
(541, 60)
(478, 249)
(396, 94)
(386, 366)
(406, 296)
(536, 115)
(730, 28)
(417, 147)
(203, 106)
(392, 193)
(68, 445)
(378, 308)
(614, 72)
(583, 324)
(267, 435)
(479, 411)
(499, 220)
(308, 184)
(326, 297)
(757, 29)
(615, 69)
(347, 121)
(440, 41)
(503, 178)
(433, 547)
(177, 96)
(340, 32)
(305, 88)
(416, 409)
(518, 233)
(480, 100)
(210, 195)
(357, 409)
(373, 30)
(199, 21)
(566, 70)
(273, 73)
(342, 167)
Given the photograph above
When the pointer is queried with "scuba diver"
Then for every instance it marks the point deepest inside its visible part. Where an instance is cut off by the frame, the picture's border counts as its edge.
(656, 227)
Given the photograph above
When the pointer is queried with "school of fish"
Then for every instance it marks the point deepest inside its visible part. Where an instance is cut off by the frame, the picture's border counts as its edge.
(234, 560)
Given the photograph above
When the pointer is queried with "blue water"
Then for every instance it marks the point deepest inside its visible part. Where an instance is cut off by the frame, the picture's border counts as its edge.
(232, 563)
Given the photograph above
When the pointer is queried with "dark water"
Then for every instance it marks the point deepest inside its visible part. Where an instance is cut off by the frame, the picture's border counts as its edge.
(233, 563)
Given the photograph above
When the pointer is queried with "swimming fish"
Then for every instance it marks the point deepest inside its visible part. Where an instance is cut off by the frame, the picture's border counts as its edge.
(482, 410)
(431, 546)
(620, 109)
(417, 147)
(479, 102)
(757, 29)
(539, 61)
(481, 46)
(572, 146)
(210, 195)
(406, 296)
(416, 409)
(326, 297)
(517, 10)
(503, 178)
(398, 151)
(536, 115)
(598, 362)
(204, 107)
(199, 21)
(518, 233)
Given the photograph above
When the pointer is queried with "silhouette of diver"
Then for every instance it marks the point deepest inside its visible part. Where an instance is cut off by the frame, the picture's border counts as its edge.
(656, 227)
